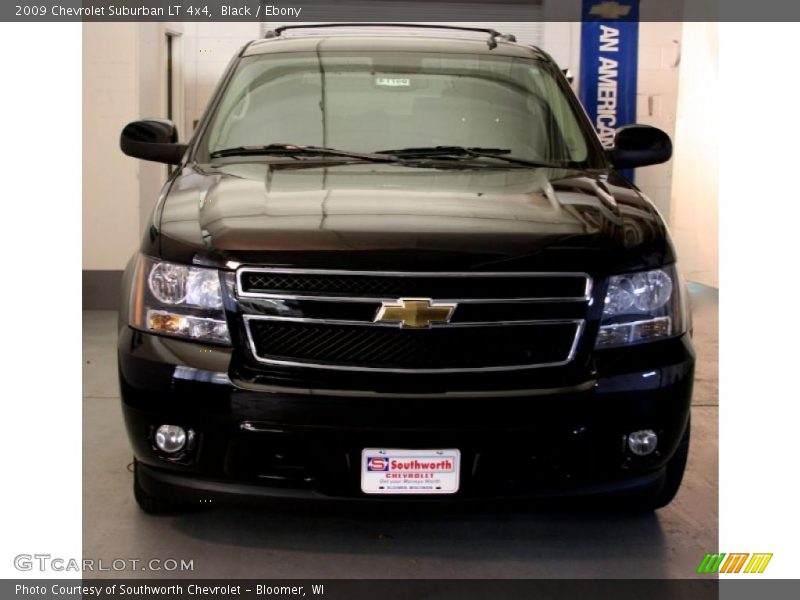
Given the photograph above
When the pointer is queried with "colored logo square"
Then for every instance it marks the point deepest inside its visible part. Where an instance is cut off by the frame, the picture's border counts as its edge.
(377, 463)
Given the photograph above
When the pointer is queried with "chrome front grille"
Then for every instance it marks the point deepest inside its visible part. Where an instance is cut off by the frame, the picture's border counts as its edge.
(462, 287)
(327, 320)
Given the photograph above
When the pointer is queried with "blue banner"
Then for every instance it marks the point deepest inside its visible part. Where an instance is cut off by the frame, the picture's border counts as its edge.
(609, 59)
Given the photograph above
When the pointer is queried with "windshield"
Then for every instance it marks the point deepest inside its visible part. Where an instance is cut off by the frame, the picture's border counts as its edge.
(381, 101)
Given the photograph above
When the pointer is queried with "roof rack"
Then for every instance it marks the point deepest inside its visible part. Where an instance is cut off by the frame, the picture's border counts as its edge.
(494, 35)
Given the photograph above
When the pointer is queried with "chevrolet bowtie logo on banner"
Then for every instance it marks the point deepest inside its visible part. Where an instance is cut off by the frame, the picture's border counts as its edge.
(609, 60)
(734, 563)
(414, 313)
(610, 10)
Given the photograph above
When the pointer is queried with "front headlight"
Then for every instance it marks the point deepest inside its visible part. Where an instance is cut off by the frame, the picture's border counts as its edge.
(642, 307)
(178, 300)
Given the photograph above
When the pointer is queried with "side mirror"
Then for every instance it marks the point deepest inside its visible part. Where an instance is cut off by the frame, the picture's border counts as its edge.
(152, 139)
(639, 146)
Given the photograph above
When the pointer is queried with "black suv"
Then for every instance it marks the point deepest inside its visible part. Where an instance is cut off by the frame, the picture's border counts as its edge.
(401, 267)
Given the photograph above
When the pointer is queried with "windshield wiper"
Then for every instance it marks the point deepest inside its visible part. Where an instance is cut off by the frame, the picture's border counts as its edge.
(461, 152)
(297, 151)
(452, 154)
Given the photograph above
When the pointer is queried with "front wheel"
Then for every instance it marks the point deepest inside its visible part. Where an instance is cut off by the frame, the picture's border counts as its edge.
(673, 477)
(154, 505)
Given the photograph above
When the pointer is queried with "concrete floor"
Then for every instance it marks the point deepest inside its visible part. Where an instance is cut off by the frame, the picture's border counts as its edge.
(230, 543)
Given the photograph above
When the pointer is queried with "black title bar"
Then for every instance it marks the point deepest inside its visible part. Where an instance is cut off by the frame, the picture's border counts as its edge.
(385, 10)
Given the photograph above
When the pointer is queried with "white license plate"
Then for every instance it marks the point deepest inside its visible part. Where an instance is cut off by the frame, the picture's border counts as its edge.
(388, 471)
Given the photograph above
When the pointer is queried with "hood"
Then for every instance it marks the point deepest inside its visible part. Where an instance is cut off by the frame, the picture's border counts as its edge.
(394, 217)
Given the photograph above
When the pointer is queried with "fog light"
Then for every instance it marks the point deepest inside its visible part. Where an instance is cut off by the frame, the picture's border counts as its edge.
(643, 442)
(170, 438)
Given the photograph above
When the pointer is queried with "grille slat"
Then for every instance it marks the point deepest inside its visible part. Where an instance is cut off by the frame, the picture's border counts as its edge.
(462, 286)
(389, 348)
(322, 284)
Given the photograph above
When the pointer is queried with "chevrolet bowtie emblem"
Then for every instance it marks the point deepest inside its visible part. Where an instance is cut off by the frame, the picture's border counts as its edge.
(414, 313)
(610, 10)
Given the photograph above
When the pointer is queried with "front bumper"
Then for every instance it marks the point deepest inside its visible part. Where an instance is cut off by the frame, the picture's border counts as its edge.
(253, 442)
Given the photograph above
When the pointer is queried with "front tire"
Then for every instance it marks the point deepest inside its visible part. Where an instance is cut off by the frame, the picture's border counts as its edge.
(154, 505)
(675, 469)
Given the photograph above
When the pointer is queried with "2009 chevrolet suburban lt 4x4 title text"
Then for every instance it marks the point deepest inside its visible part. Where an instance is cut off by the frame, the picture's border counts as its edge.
(402, 268)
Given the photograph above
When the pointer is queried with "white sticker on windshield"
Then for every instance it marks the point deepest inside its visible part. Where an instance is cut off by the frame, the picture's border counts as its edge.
(392, 82)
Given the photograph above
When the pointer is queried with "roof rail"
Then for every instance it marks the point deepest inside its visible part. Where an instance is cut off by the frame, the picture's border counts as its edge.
(494, 35)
